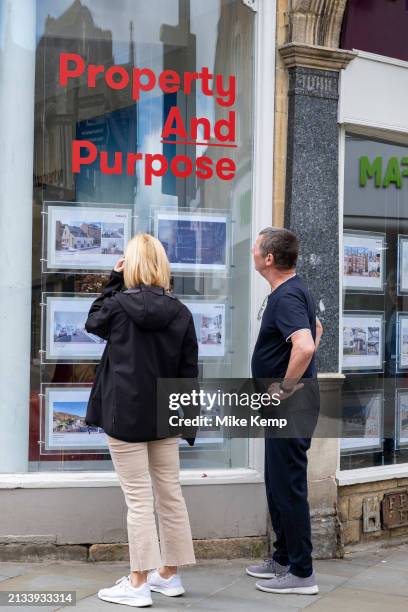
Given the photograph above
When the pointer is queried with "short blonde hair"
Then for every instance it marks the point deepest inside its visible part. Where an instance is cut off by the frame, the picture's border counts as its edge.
(146, 262)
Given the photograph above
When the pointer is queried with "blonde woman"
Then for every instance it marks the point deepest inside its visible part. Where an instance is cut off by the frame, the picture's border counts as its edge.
(150, 334)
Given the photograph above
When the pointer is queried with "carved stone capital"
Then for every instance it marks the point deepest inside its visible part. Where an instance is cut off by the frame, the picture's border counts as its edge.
(315, 22)
(312, 56)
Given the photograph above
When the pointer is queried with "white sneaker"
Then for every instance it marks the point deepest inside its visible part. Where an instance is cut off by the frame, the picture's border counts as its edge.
(124, 593)
(172, 587)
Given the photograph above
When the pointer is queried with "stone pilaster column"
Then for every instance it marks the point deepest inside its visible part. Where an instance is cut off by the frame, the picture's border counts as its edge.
(311, 206)
(312, 211)
(17, 72)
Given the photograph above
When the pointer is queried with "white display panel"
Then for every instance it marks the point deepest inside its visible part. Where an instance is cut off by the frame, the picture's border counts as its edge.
(402, 341)
(362, 421)
(87, 237)
(363, 261)
(363, 341)
(402, 264)
(66, 338)
(401, 419)
(212, 322)
(64, 420)
(194, 242)
(364, 98)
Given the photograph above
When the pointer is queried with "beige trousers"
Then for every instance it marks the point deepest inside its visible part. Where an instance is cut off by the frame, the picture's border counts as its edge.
(144, 469)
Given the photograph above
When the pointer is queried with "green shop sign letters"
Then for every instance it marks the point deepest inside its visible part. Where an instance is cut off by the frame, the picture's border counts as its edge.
(383, 175)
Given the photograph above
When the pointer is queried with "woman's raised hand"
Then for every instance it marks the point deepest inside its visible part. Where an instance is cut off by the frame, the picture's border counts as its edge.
(119, 265)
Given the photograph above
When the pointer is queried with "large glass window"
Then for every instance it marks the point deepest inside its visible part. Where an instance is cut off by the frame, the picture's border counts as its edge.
(375, 303)
(96, 128)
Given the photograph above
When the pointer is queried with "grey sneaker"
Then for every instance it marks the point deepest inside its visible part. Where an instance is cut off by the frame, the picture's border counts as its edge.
(288, 583)
(268, 569)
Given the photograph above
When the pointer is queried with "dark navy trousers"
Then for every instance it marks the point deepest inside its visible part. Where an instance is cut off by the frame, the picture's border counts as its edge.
(286, 491)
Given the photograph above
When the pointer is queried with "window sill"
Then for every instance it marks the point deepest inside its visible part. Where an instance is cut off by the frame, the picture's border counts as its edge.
(57, 480)
(371, 474)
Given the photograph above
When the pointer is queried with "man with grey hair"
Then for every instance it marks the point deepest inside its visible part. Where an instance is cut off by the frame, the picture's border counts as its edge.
(285, 349)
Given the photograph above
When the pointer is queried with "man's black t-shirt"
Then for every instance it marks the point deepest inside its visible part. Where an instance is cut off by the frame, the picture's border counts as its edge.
(290, 307)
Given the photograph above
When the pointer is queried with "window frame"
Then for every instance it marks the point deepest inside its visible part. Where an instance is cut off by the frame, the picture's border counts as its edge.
(262, 191)
(379, 126)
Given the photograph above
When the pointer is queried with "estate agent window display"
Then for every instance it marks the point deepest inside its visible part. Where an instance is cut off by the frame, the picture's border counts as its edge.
(83, 220)
(375, 306)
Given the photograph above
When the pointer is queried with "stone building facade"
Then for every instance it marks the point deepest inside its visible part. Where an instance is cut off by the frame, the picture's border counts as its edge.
(320, 48)
(317, 91)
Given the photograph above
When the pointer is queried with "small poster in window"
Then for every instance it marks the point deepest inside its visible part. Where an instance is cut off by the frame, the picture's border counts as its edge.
(65, 411)
(362, 421)
(363, 261)
(209, 323)
(66, 336)
(402, 417)
(402, 340)
(194, 242)
(363, 341)
(403, 264)
(86, 237)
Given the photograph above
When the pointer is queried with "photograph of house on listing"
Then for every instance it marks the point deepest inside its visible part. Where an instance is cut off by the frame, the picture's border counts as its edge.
(86, 237)
(362, 341)
(104, 238)
(65, 427)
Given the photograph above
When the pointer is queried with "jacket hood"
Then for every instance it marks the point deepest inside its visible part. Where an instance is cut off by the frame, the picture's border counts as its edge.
(150, 307)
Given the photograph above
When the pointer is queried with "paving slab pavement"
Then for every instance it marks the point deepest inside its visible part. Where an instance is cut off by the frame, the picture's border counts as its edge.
(362, 582)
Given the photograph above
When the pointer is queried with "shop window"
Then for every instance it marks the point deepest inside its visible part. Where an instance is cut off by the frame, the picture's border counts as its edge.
(374, 334)
(83, 213)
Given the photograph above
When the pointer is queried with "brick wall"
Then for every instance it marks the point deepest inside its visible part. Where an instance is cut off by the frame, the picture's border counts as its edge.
(350, 510)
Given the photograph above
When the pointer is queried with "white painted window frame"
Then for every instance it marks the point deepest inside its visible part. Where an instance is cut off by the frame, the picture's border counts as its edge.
(381, 129)
(264, 90)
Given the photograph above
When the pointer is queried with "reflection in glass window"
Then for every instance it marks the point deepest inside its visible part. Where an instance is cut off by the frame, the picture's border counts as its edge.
(375, 303)
(184, 36)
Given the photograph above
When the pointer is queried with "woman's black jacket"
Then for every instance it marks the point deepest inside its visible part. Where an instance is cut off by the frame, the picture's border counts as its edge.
(150, 334)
